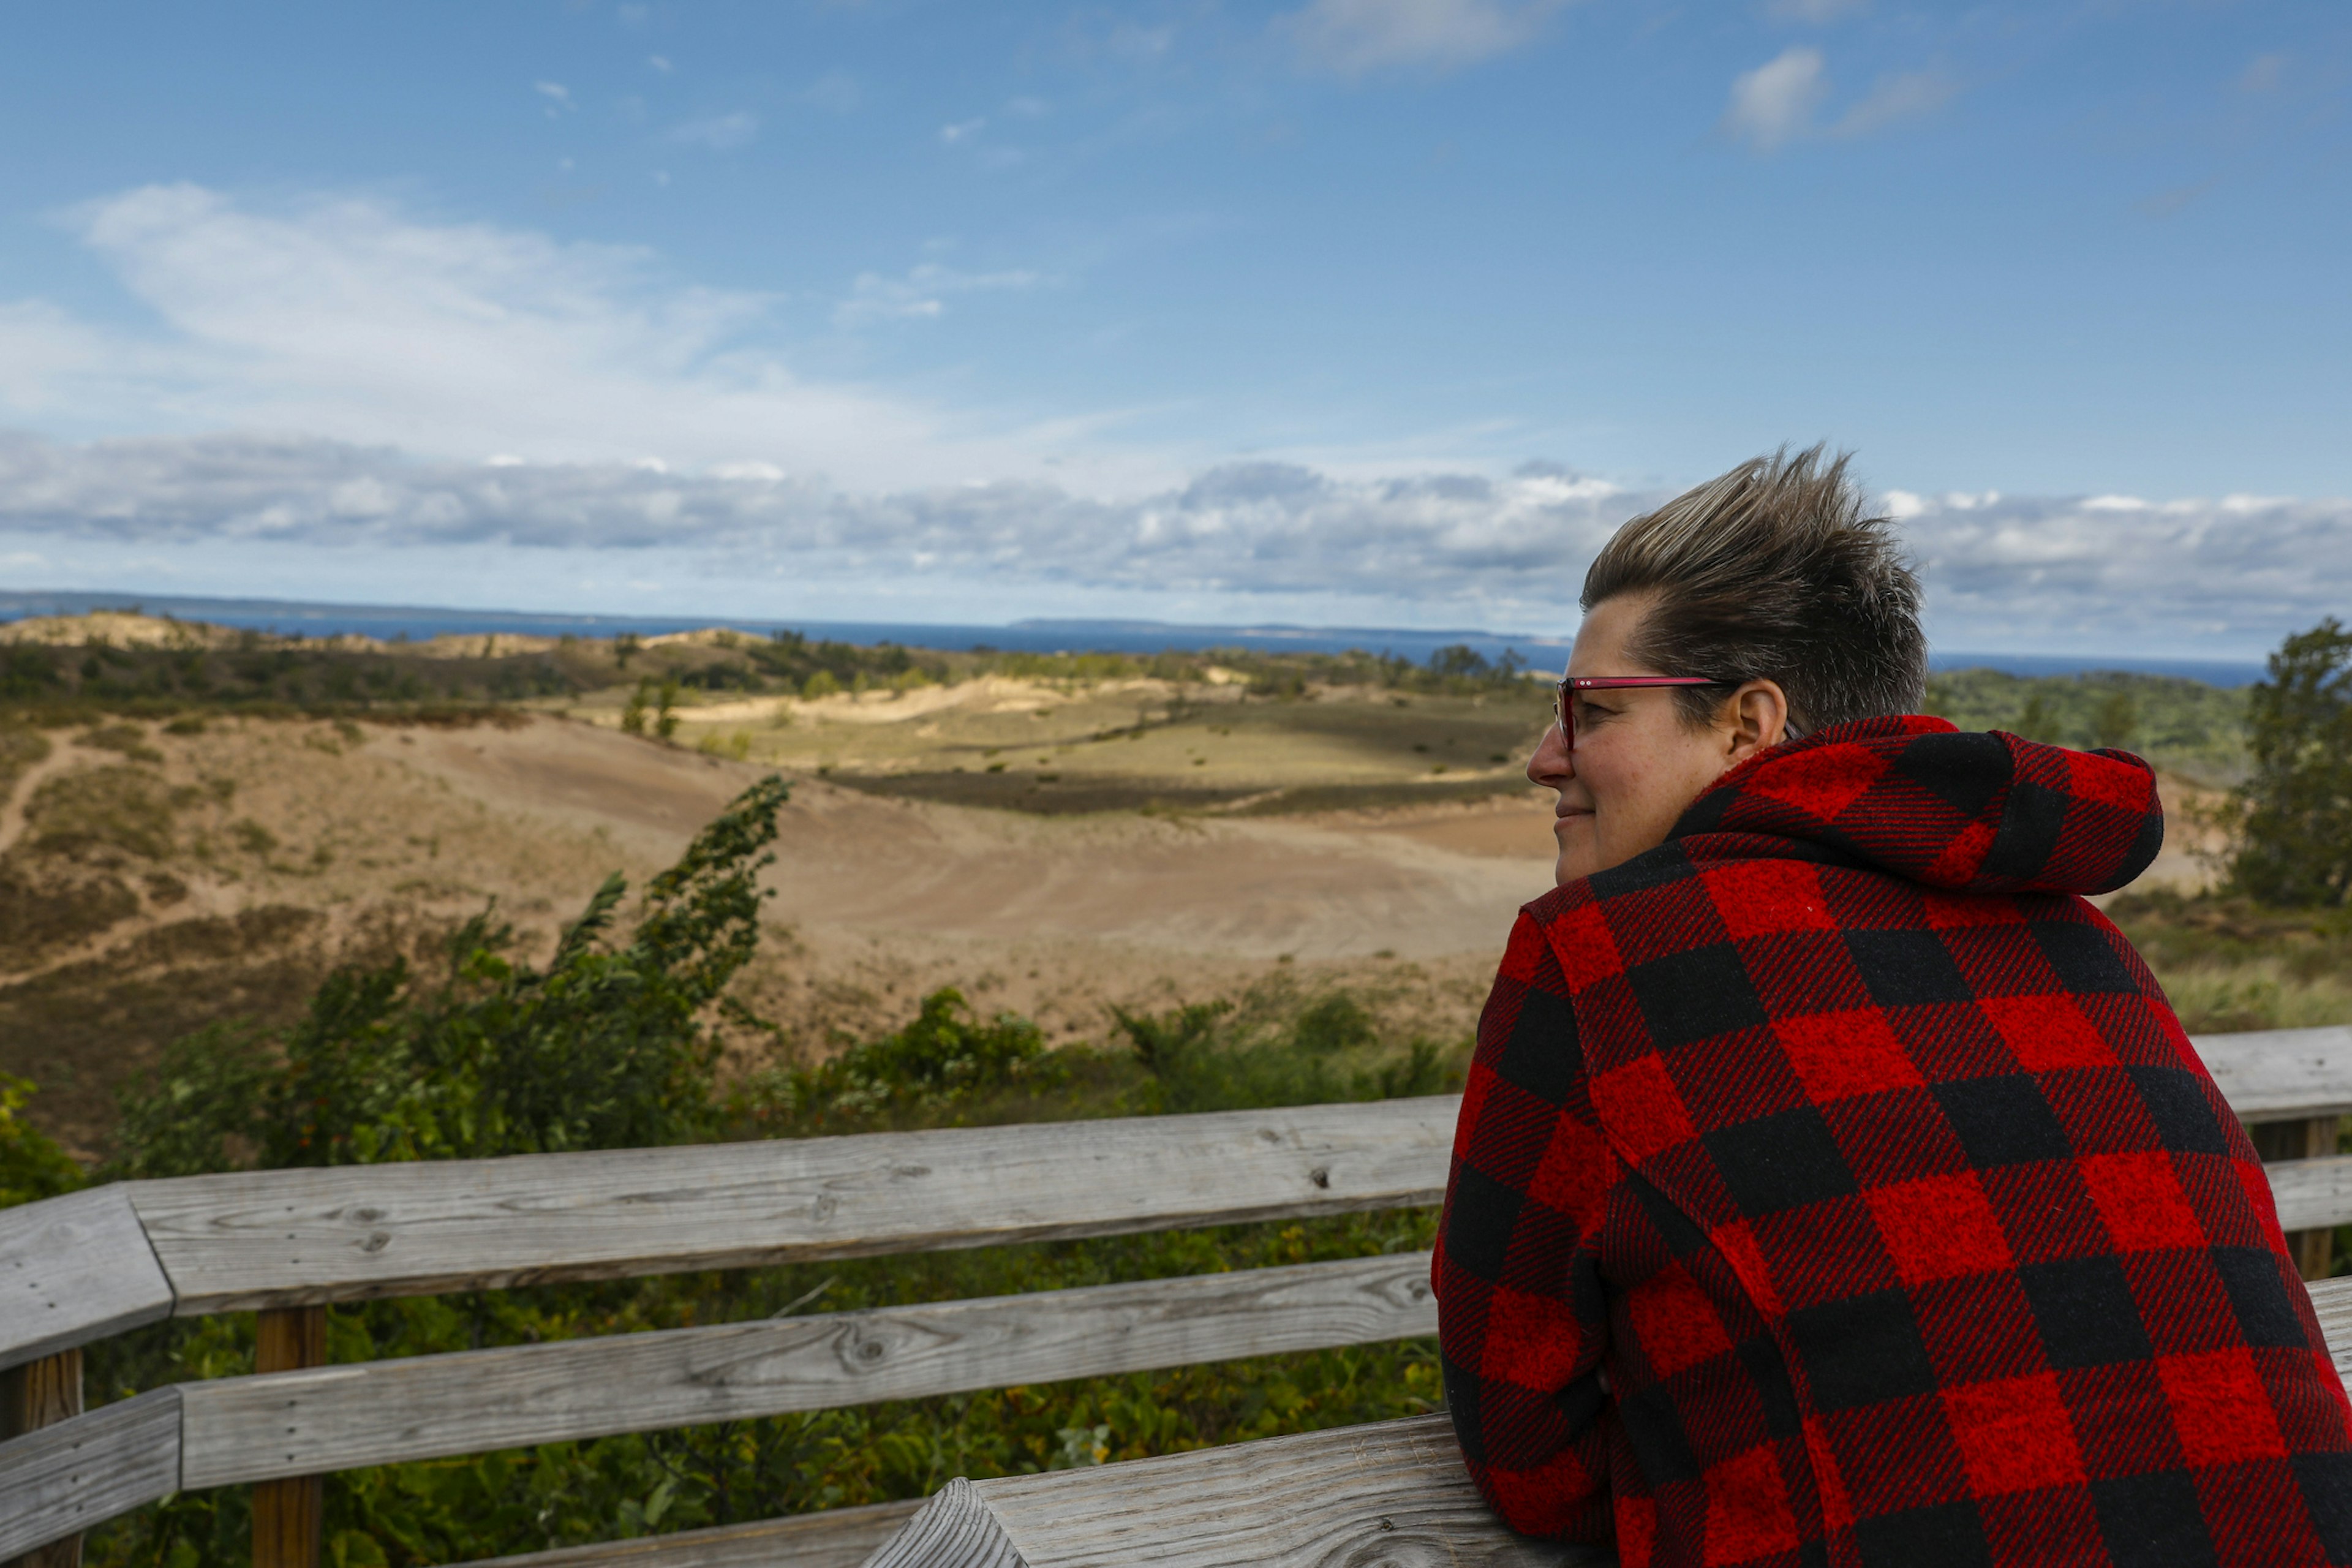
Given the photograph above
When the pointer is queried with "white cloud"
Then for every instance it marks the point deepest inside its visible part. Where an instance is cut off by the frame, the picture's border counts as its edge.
(921, 294)
(1353, 36)
(558, 96)
(1776, 102)
(2117, 575)
(352, 320)
(717, 132)
(1247, 529)
(660, 63)
(962, 130)
(1892, 98)
(1817, 13)
(836, 92)
(343, 382)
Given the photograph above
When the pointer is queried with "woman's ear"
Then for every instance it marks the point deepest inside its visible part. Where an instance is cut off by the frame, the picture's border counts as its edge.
(1756, 717)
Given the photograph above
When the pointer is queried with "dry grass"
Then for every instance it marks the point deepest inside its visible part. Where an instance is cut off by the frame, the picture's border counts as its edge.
(2228, 964)
(1057, 748)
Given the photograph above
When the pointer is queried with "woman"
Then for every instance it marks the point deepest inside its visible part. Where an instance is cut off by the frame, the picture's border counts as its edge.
(1834, 1184)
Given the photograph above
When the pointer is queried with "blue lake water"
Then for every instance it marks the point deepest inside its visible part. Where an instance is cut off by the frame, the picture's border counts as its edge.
(287, 617)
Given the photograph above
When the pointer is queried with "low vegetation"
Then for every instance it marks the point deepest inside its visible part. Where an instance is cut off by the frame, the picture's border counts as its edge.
(2184, 727)
(616, 1042)
(631, 1028)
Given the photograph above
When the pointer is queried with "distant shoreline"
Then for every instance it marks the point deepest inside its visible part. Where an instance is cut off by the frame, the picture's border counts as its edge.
(417, 623)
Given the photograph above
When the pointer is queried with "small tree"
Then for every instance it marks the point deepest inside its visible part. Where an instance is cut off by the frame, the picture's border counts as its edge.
(632, 716)
(2293, 817)
(665, 720)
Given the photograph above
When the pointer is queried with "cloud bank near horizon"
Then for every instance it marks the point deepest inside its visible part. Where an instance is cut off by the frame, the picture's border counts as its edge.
(2226, 576)
(472, 409)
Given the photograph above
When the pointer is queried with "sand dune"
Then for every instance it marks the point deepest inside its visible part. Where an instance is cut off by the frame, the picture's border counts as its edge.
(295, 844)
(1253, 889)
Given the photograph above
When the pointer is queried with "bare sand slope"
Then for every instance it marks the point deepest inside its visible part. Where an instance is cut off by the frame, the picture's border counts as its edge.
(648, 799)
(1315, 890)
(1422, 884)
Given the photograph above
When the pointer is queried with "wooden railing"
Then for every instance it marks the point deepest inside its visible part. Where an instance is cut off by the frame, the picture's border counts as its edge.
(285, 1243)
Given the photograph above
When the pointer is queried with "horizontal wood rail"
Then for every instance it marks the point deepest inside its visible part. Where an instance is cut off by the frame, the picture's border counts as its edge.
(421, 1408)
(2283, 1075)
(283, 1238)
(97, 1263)
(62, 1479)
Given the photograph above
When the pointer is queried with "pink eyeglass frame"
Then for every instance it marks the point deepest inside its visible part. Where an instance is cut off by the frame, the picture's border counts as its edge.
(1575, 683)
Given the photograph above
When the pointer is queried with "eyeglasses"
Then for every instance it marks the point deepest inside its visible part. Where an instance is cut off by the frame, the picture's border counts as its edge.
(1565, 710)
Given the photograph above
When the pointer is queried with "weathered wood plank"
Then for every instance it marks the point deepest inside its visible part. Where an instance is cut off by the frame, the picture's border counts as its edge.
(1391, 1493)
(65, 1479)
(73, 1270)
(2280, 1142)
(837, 1538)
(352, 1233)
(2312, 1193)
(2331, 1302)
(37, 1395)
(2281, 1074)
(955, 1527)
(340, 1417)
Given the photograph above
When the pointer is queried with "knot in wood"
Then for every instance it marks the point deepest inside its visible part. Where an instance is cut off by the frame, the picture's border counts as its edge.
(1320, 1175)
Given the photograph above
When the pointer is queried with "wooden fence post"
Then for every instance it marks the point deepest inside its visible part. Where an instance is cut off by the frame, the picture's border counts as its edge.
(289, 1516)
(41, 1394)
(2315, 1251)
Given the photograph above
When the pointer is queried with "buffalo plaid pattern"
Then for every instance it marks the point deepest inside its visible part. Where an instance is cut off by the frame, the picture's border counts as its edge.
(1833, 1185)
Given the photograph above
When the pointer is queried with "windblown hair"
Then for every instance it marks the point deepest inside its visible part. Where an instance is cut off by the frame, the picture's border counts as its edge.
(1773, 572)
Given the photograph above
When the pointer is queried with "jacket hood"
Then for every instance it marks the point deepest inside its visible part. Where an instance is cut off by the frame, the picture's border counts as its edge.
(1979, 812)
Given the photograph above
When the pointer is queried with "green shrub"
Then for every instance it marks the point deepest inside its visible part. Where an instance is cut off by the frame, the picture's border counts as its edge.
(1214, 1057)
(613, 1043)
(32, 1166)
(945, 1059)
(609, 1046)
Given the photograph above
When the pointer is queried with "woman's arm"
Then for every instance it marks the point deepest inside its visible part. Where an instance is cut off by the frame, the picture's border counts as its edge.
(1522, 1325)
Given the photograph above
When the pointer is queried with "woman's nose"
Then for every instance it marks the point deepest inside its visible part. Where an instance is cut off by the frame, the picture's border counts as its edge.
(1551, 766)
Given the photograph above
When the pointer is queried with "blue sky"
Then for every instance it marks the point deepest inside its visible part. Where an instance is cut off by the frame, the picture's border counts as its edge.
(1327, 310)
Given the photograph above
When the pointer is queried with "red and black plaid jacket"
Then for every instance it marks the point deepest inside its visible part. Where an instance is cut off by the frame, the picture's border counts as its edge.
(1834, 1185)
